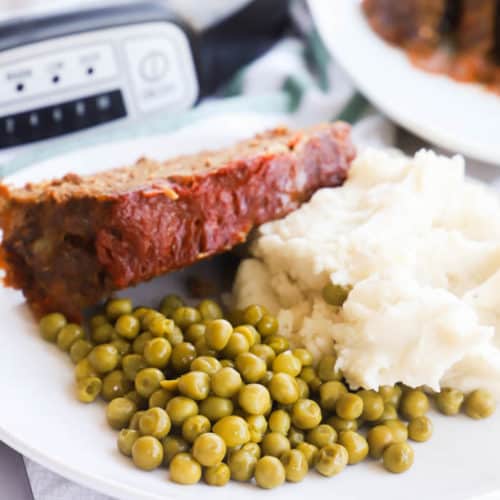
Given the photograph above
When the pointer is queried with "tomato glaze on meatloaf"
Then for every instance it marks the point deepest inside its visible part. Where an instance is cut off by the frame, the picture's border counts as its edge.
(69, 243)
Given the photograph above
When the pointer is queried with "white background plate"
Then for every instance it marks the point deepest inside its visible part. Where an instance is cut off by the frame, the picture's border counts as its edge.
(461, 117)
(41, 418)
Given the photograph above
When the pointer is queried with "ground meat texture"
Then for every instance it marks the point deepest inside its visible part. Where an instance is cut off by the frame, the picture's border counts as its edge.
(476, 25)
(71, 242)
(415, 24)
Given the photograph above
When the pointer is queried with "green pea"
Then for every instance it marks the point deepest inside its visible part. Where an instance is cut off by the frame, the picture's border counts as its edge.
(399, 430)
(121, 345)
(115, 385)
(182, 356)
(88, 389)
(126, 439)
(68, 335)
(391, 394)
(79, 350)
(160, 398)
(251, 367)
(194, 385)
(257, 426)
(295, 437)
(327, 368)
(310, 452)
(330, 392)
(215, 407)
(195, 426)
(119, 412)
(132, 364)
(102, 334)
(209, 309)
(322, 436)
(226, 382)
(280, 421)
(379, 438)
(181, 408)
(217, 475)
(233, 429)
(155, 422)
(128, 326)
(349, 406)
(267, 325)
(50, 325)
(479, 404)
(332, 460)
(269, 472)
(207, 364)
(148, 381)
(195, 332)
(209, 449)
(264, 352)
(286, 362)
(170, 303)
(253, 314)
(355, 444)
(173, 445)
(157, 352)
(185, 316)
(255, 399)
(420, 429)
(104, 358)
(335, 295)
(147, 453)
(304, 356)
(160, 326)
(236, 345)
(449, 401)
(277, 343)
(373, 405)
(306, 414)
(340, 424)
(398, 457)
(414, 403)
(218, 333)
(118, 307)
(98, 320)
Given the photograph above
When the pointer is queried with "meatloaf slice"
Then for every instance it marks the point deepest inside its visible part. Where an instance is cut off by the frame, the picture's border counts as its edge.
(414, 24)
(69, 243)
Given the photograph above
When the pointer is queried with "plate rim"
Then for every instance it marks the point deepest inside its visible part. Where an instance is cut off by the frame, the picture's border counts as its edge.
(434, 134)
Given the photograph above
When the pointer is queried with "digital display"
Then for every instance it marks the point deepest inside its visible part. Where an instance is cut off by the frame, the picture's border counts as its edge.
(60, 119)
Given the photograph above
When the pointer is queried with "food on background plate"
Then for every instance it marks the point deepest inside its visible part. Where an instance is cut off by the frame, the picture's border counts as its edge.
(69, 243)
(410, 250)
(456, 37)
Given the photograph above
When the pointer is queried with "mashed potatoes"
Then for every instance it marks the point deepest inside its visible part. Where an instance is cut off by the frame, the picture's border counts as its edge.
(420, 247)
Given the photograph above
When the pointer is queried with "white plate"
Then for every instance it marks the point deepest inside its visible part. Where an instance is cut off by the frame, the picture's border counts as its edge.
(461, 117)
(41, 419)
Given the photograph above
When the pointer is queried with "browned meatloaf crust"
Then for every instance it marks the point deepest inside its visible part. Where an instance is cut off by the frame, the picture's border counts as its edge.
(476, 27)
(69, 243)
(412, 23)
(421, 24)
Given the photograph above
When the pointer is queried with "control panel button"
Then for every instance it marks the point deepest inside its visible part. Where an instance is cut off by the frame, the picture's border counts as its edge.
(154, 70)
(153, 66)
(53, 121)
(55, 71)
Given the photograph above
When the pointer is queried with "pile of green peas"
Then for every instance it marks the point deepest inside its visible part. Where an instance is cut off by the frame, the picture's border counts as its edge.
(228, 398)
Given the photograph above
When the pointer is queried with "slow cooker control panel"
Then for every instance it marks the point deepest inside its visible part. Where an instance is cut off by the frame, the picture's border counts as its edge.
(80, 81)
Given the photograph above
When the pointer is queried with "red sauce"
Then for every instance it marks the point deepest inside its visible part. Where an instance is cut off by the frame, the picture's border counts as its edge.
(467, 67)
